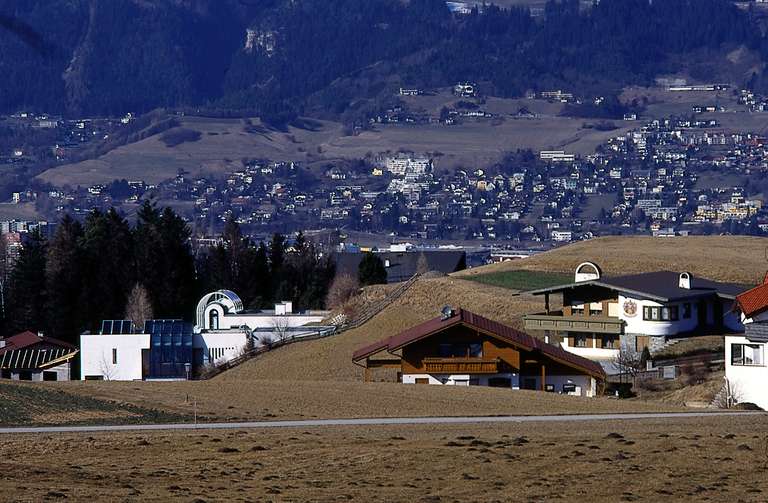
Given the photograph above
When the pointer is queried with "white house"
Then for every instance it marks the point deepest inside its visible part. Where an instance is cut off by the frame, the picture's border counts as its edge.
(745, 354)
(601, 315)
(174, 349)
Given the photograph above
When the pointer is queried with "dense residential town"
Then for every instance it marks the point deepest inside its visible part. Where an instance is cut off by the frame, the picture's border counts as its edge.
(669, 176)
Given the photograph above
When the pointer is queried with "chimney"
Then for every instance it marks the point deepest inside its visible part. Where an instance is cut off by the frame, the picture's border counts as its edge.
(685, 280)
(447, 312)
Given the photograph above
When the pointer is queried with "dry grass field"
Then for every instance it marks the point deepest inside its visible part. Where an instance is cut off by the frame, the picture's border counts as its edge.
(704, 459)
(224, 142)
(331, 359)
(738, 259)
(237, 396)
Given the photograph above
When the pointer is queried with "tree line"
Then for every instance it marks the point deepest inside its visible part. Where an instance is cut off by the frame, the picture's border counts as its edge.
(86, 272)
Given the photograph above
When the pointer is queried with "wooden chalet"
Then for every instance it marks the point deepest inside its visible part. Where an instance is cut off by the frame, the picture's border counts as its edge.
(463, 348)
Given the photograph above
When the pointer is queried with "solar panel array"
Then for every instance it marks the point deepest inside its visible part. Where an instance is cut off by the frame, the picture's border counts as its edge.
(116, 327)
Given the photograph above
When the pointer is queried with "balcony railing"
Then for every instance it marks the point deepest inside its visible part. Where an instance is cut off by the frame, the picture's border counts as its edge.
(561, 323)
(462, 365)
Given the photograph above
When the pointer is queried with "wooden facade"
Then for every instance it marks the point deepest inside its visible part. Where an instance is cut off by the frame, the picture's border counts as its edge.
(455, 346)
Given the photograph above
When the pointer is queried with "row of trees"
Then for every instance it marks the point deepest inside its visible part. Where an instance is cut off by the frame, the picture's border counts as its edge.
(104, 268)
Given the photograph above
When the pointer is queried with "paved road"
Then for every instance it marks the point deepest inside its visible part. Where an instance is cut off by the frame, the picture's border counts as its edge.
(314, 423)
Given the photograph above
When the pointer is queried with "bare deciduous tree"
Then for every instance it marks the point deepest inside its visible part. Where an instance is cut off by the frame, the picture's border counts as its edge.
(628, 363)
(108, 371)
(343, 288)
(280, 326)
(138, 308)
(422, 265)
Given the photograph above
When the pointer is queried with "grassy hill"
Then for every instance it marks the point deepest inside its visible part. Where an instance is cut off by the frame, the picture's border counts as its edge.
(737, 259)
(222, 143)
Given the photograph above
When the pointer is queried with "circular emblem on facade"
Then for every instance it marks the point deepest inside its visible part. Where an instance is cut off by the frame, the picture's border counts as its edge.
(630, 308)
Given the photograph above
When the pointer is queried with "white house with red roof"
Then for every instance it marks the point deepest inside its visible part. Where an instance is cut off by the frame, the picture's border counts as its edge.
(746, 372)
(33, 357)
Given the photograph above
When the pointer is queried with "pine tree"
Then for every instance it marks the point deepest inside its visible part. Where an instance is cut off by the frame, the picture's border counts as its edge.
(27, 298)
(371, 270)
(64, 271)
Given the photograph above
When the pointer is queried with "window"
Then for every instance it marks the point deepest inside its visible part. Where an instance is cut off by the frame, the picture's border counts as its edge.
(687, 310)
(746, 354)
(114, 356)
(610, 342)
(461, 350)
(580, 341)
(213, 320)
(664, 313)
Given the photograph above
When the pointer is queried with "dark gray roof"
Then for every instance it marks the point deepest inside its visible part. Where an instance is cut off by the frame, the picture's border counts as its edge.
(756, 332)
(661, 286)
(403, 265)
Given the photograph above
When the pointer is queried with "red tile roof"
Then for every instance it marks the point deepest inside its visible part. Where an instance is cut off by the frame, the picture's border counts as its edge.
(754, 301)
(26, 339)
(462, 316)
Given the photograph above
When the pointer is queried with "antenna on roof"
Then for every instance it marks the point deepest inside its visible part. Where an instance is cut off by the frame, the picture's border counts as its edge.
(446, 312)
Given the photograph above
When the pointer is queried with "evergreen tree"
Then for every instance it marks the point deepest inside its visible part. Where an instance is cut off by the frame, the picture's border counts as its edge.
(164, 261)
(64, 271)
(27, 298)
(371, 270)
(107, 250)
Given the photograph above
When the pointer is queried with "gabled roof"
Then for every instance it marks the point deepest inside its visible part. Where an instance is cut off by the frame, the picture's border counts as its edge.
(754, 301)
(462, 316)
(661, 286)
(30, 351)
(27, 339)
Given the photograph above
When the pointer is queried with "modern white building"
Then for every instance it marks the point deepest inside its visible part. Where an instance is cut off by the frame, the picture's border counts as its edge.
(746, 371)
(174, 349)
(601, 315)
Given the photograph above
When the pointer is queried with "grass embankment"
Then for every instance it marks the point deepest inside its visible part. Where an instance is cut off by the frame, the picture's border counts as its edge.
(522, 280)
(736, 259)
(32, 404)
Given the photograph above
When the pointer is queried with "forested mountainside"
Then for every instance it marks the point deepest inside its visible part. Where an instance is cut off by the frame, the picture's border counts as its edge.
(273, 57)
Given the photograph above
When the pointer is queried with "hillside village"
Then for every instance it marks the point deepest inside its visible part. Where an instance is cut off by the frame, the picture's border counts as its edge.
(676, 175)
(602, 334)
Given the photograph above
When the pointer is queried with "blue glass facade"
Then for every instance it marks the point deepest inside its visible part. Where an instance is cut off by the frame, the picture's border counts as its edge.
(170, 348)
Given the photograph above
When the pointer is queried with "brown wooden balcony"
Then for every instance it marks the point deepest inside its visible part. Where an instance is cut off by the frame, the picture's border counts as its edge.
(462, 365)
(557, 321)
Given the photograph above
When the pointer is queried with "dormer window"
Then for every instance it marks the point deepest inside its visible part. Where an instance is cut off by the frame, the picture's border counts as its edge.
(685, 280)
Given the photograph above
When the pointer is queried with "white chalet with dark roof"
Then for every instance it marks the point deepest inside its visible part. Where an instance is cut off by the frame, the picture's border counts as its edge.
(600, 315)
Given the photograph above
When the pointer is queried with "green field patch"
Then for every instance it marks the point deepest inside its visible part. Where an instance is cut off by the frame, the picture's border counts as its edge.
(522, 280)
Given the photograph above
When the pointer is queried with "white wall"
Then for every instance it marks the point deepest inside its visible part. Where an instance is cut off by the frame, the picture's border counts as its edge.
(451, 379)
(220, 346)
(96, 356)
(256, 321)
(587, 384)
(636, 325)
(590, 353)
(749, 383)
